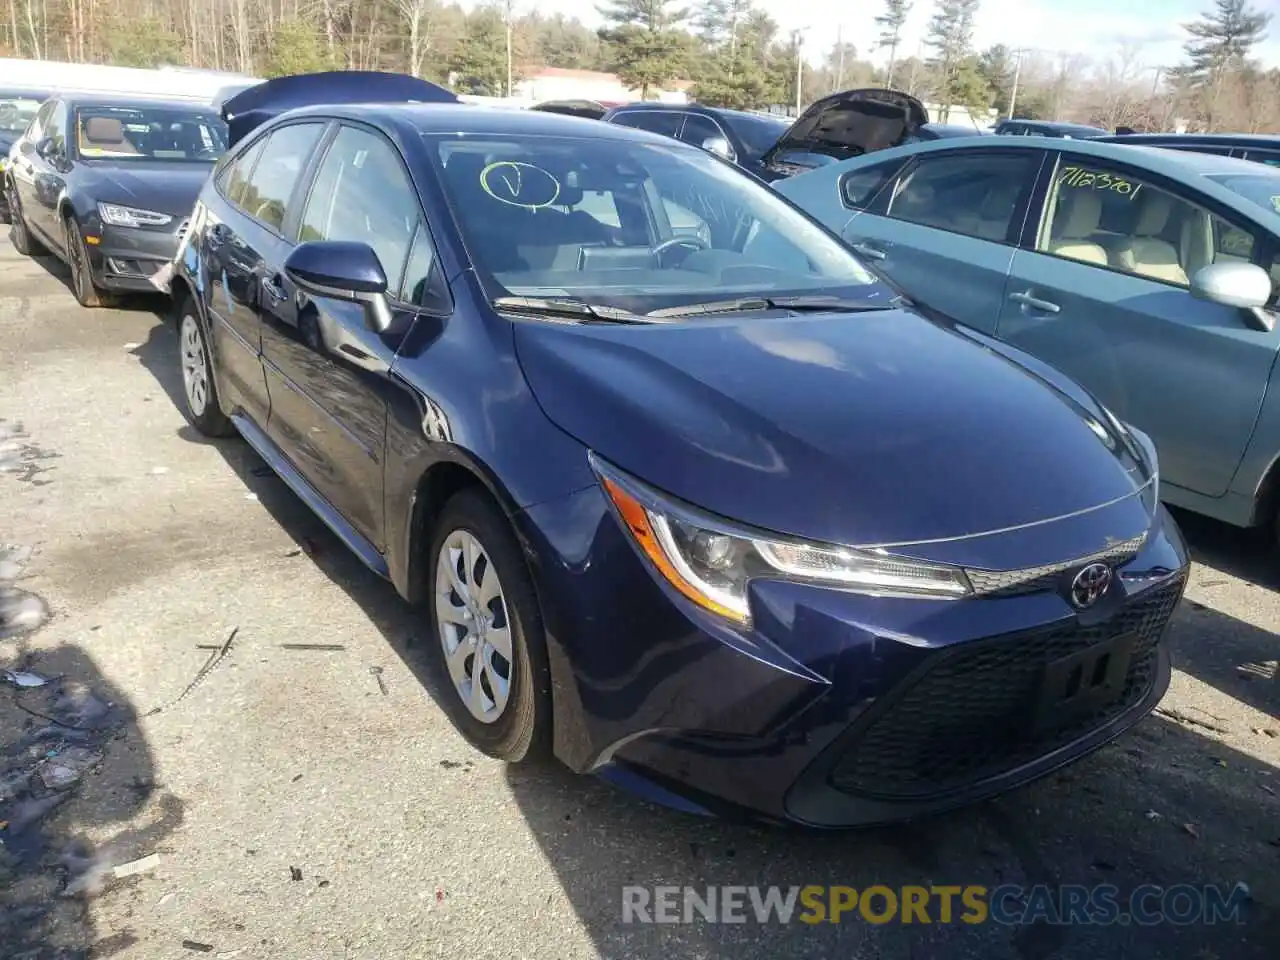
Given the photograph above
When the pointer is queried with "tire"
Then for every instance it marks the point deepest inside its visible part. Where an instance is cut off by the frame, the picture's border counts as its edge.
(19, 235)
(521, 728)
(199, 388)
(88, 294)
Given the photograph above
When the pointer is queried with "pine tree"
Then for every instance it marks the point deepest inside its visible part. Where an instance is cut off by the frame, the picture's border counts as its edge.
(1219, 46)
(648, 50)
(890, 23)
(950, 34)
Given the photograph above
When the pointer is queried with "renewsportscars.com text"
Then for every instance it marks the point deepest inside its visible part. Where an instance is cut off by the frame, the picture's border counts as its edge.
(1009, 904)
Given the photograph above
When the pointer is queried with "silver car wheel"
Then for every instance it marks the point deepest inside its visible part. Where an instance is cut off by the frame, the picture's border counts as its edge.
(475, 631)
(195, 377)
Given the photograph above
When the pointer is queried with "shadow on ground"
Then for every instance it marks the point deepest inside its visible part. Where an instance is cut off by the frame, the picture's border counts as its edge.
(1229, 654)
(1164, 805)
(152, 302)
(74, 770)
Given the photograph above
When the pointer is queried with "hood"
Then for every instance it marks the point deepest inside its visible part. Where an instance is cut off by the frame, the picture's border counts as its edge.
(852, 123)
(863, 429)
(170, 188)
(253, 107)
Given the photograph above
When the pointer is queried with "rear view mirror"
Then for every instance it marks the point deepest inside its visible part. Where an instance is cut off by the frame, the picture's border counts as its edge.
(1243, 285)
(341, 270)
(719, 146)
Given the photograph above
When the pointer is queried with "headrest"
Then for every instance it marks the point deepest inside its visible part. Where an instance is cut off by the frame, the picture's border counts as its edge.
(107, 131)
(1154, 216)
(1084, 212)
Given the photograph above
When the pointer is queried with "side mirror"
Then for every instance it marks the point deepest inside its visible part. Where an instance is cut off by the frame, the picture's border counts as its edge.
(719, 146)
(45, 147)
(1245, 286)
(341, 270)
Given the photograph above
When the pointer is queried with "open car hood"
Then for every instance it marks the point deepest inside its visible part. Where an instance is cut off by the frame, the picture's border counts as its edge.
(852, 123)
(253, 107)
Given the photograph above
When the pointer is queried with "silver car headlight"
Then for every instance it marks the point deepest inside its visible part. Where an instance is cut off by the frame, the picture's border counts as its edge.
(711, 561)
(121, 216)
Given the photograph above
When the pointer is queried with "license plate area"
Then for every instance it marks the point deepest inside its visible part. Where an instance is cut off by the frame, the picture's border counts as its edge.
(1081, 683)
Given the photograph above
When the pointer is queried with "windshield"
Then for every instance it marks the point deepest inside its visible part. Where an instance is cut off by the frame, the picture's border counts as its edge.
(1262, 189)
(758, 133)
(149, 133)
(636, 225)
(16, 113)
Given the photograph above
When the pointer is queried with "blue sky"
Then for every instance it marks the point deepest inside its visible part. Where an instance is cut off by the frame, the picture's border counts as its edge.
(1092, 27)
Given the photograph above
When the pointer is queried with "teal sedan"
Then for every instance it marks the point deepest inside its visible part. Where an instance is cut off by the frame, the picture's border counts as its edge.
(1147, 275)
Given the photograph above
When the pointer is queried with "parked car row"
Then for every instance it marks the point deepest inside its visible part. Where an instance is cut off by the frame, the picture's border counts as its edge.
(831, 500)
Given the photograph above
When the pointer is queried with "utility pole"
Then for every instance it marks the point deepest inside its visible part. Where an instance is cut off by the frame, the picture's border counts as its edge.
(797, 37)
(510, 10)
(840, 65)
(1017, 72)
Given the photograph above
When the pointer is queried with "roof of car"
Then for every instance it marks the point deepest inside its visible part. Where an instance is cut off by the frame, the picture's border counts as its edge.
(466, 118)
(132, 100)
(1053, 124)
(1172, 163)
(1207, 139)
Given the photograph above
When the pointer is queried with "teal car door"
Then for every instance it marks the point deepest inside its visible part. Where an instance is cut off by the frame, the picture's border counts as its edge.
(1100, 290)
(949, 227)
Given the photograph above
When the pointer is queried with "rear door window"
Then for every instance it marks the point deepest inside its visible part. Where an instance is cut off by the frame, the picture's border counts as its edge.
(267, 191)
(235, 178)
(973, 194)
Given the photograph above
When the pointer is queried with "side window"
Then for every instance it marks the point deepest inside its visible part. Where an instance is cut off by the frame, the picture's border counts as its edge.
(362, 194)
(665, 122)
(35, 132)
(271, 183)
(57, 129)
(236, 176)
(698, 128)
(1270, 157)
(1108, 217)
(860, 188)
(417, 271)
(974, 194)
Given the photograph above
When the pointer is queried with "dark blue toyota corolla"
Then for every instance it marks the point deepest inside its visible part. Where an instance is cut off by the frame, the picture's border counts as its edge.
(689, 496)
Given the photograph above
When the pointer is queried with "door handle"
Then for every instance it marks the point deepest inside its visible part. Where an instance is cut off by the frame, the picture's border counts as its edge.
(868, 251)
(1027, 300)
(273, 289)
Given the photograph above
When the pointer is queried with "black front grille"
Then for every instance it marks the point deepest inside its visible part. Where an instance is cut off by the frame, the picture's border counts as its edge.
(970, 714)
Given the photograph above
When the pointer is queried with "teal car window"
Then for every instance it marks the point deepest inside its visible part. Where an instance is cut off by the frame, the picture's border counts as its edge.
(971, 194)
(1107, 217)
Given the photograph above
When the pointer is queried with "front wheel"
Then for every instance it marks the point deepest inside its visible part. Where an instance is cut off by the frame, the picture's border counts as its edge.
(198, 386)
(87, 292)
(488, 630)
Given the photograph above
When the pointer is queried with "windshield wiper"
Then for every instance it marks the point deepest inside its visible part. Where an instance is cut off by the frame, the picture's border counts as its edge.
(571, 308)
(809, 304)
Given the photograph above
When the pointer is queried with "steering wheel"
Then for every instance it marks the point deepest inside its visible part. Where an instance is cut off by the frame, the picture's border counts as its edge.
(693, 241)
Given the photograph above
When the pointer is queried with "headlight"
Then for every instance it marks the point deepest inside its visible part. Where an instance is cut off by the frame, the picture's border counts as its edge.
(119, 216)
(711, 561)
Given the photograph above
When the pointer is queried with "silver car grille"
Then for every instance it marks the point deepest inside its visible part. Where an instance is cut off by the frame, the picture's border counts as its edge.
(1004, 583)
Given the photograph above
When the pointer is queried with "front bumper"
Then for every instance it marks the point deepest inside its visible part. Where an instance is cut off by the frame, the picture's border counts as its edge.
(134, 258)
(836, 709)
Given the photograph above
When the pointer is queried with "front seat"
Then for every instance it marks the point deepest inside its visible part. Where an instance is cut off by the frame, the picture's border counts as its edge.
(1145, 253)
(1073, 230)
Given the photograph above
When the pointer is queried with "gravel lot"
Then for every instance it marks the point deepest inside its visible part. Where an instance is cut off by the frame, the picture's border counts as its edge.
(302, 804)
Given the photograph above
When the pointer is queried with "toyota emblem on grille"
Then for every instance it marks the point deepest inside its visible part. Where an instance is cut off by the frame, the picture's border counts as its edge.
(1090, 584)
